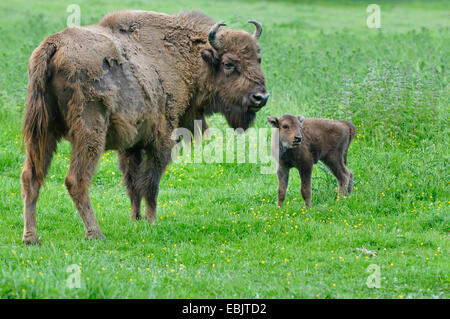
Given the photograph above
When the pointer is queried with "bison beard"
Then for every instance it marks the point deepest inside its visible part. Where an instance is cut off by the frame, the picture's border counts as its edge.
(241, 119)
(236, 116)
(126, 84)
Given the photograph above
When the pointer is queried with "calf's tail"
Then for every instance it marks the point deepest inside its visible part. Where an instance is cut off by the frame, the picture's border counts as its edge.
(352, 130)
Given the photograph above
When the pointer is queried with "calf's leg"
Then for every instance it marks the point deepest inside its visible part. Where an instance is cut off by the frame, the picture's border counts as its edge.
(305, 177)
(130, 164)
(283, 180)
(349, 172)
(350, 181)
(340, 171)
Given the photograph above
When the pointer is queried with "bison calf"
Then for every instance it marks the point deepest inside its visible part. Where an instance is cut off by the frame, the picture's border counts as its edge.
(303, 142)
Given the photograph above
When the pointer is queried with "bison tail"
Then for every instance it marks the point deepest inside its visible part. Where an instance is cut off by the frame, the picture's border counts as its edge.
(35, 125)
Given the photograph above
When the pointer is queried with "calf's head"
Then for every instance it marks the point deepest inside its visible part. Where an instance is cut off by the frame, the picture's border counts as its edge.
(290, 129)
(235, 79)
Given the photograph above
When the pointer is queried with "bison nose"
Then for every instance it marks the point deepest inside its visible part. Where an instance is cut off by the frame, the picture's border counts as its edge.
(260, 99)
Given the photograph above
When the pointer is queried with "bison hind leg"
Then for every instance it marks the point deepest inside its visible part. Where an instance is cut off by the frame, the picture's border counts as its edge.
(31, 187)
(88, 135)
(82, 166)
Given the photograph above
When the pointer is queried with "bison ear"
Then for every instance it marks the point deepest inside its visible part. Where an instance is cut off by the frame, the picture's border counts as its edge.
(273, 121)
(208, 57)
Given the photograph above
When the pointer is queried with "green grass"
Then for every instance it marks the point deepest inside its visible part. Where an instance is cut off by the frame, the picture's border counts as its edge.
(219, 233)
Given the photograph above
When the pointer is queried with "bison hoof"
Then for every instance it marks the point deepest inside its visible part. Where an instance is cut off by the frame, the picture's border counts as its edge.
(95, 234)
(151, 220)
(31, 239)
(135, 217)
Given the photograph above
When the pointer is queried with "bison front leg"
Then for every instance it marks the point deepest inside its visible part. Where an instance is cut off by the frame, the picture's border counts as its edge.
(130, 164)
(155, 165)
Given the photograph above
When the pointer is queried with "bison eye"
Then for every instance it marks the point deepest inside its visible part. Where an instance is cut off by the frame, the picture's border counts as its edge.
(228, 66)
(285, 127)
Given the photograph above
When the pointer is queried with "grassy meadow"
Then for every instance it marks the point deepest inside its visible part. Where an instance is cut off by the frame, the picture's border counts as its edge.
(219, 232)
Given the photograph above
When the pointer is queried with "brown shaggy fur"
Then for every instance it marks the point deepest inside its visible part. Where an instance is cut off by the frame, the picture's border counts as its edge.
(126, 84)
(304, 142)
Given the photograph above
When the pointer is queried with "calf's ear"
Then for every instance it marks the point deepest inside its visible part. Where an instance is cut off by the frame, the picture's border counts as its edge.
(208, 57)
(273, 121)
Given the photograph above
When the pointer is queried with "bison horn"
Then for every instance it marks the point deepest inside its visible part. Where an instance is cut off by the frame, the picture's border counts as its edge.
(258, 30)
(212, 35)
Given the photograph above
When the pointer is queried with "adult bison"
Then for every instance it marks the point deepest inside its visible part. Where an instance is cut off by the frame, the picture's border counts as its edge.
(126, 84)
